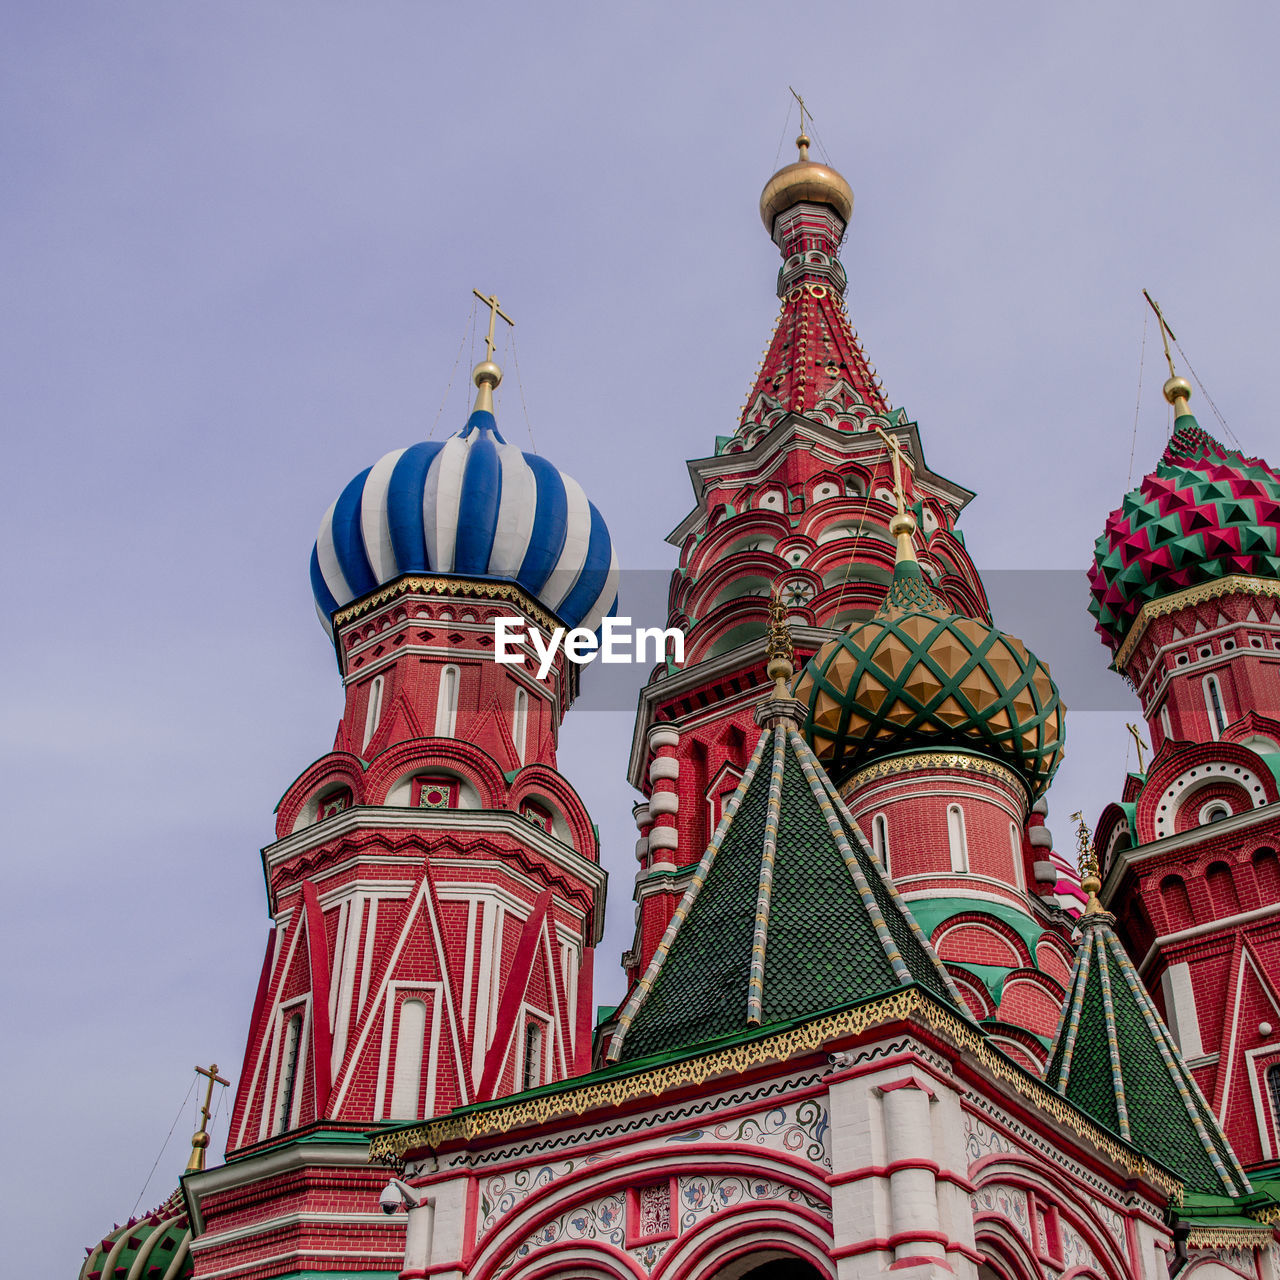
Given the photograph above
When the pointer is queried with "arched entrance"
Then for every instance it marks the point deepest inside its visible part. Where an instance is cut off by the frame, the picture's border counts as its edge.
(760, 1266)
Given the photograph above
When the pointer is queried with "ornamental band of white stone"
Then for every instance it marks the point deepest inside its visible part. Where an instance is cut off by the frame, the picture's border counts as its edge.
(617, 642)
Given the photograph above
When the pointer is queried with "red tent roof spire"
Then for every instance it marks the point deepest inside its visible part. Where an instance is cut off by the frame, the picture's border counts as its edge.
(814, 355)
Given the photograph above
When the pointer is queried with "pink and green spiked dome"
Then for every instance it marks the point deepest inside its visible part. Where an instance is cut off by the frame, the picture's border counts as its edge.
(917, 676)
(1204, 513)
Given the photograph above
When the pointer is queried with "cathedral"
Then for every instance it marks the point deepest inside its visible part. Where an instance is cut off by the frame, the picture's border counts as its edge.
(878, 1021)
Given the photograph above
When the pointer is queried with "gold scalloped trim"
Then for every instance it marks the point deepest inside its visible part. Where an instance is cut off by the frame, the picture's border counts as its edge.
(573, 1103)
(447, 587)
(932, 760)
(1234, 584)
(1228, 1237)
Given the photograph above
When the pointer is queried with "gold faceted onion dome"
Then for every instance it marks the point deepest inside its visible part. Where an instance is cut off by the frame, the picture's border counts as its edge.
(805, 180)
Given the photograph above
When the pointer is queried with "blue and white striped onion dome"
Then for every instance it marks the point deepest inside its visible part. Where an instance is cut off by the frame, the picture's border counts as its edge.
(474, 506)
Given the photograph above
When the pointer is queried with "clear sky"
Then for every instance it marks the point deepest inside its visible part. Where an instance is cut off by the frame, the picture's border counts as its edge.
(237, 249)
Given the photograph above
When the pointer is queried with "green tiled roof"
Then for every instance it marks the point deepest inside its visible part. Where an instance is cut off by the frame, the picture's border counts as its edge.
(1116, 1060)
(789, 913)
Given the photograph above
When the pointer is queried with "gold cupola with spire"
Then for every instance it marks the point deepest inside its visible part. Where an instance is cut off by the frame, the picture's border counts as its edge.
(918, 676)
(804, 181)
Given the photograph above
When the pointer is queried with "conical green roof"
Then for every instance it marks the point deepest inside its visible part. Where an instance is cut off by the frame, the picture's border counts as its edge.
(1116, 1060)
(789, 913)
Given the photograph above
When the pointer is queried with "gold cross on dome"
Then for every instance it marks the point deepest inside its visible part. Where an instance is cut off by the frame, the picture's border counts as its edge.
(200, 1140)
(494, 312)
(1165, 332)
(895, 452)
(1136, 734)
(803, 109)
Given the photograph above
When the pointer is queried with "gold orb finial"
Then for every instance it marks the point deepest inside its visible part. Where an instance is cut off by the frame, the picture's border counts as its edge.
(802, 145)
(1175, 389)
(486, 375)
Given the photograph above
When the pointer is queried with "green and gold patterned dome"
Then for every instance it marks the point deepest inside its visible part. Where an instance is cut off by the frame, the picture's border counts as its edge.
(917, 676)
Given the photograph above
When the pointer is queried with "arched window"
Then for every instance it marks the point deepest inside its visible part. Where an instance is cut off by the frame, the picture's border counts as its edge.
(1177, 903)
(956, 838)
(287, 1092)
(880, 838)
(1222, 889)
(373, 713)
(447, 703)
(1015, 843)
(1266, 871)
(406, 1084)
(1213, 703)
(520, 722)
(532, 1054)
(1165, 723)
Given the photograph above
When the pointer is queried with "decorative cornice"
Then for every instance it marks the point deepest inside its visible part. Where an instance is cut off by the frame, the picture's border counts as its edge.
(918, 760)
(1245, 584)
(412, 584)
(797, 431)
(372, 818)
(573, 1103)
(1228, 1237)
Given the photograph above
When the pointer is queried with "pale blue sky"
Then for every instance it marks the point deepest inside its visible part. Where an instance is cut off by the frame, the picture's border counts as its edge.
(237, 248)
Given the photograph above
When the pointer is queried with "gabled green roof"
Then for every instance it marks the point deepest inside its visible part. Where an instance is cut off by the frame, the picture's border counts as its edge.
(789, 914)
(1116, 1060)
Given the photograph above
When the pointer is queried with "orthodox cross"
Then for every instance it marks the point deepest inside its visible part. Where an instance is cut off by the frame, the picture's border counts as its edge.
(803, 109)
(494, 312)
(1090, 872)
(1086, 856)
(1165, 332)
(895, 452)
(1137, 738)
(200, 1140)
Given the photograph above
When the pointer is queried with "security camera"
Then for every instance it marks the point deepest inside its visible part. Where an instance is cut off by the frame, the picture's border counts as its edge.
(400, 1195)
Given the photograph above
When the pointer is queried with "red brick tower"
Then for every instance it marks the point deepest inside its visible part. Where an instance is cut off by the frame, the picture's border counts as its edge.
(1186, 592)
(800, 501)
(434, 886)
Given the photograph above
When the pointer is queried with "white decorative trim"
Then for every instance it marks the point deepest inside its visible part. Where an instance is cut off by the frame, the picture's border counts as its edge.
(1182, 788)
(488, 821)
(661, 735)
(664, 838)
(664, 768)
(662, 802)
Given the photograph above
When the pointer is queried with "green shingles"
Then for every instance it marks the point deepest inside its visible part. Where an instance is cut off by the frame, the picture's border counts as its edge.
(825, 945)
(1115, 1059)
